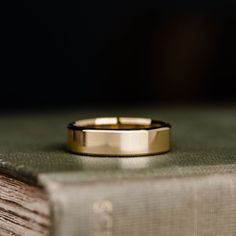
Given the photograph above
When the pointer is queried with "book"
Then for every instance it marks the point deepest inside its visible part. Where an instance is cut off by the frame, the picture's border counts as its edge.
(46, 190)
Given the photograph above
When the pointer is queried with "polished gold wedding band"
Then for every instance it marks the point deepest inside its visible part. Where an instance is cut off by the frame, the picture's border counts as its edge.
(119, 136)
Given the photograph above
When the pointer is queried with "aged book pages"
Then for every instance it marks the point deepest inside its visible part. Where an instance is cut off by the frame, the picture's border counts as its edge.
(24, 209)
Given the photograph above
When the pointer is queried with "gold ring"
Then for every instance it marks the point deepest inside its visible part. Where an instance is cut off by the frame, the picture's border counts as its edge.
(119, 136)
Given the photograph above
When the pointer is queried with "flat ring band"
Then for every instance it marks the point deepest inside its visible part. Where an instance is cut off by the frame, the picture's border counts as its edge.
(119, 136)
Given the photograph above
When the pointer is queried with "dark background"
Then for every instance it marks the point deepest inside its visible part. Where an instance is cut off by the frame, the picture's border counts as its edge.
(108, 52)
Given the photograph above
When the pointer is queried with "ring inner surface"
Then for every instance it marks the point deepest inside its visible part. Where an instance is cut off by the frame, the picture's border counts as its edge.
(117, 123)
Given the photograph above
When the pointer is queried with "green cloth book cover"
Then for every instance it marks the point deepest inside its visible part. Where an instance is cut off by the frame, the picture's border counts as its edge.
(46, 190)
